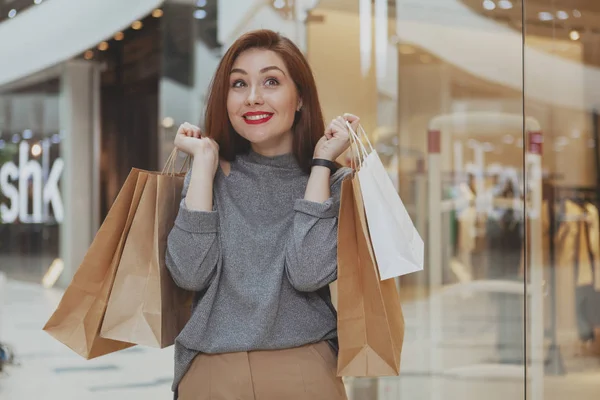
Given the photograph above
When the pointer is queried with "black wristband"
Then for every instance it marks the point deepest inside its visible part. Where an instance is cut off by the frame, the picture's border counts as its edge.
(324, 163)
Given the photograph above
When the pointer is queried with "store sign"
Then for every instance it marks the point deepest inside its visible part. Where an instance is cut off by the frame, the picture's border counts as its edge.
(25, 184)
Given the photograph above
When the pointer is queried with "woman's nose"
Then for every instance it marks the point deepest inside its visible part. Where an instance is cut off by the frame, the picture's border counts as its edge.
(254, 96)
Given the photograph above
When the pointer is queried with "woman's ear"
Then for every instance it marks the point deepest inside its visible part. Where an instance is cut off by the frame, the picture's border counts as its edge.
(299, 107)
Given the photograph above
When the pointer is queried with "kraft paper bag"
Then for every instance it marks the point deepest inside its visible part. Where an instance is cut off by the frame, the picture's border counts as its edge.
(145, 305)
(398, 247)
(370, 320)
(78, 318)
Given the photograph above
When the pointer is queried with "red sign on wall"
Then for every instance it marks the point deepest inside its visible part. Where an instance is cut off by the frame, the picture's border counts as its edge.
(433, 142)
(536, 140)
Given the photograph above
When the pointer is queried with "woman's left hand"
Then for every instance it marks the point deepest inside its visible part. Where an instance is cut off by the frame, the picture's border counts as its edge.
(337, 138)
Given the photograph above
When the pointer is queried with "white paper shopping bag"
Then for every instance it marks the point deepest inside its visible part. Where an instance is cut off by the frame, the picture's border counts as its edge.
(398, 247)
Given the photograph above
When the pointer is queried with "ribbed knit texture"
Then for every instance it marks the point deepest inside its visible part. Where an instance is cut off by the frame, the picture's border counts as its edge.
(260, 262)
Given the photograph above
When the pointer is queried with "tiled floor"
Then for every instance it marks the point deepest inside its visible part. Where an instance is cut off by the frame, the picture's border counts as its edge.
(50, 371)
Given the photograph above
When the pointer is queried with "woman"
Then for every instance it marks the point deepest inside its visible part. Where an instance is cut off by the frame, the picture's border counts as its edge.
(256, 234)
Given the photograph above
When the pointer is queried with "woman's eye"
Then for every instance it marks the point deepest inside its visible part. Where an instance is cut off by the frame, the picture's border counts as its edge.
(238, 84)
(271, 82)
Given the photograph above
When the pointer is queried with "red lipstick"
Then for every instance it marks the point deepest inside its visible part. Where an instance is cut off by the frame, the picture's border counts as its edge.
(257, 117)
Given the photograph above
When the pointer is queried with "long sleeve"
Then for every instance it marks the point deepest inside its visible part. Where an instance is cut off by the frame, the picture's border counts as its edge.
(193, 246)
(311, 251)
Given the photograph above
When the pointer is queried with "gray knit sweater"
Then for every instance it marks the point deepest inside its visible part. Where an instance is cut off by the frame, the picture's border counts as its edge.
(260, 262)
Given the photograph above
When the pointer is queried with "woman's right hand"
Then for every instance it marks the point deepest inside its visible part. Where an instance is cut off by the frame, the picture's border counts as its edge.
(204, 150)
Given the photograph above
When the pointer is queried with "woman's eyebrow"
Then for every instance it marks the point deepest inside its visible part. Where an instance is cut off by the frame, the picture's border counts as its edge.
(262, 71)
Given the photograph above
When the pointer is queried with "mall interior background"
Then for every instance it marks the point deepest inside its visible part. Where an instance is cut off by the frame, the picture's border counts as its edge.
(484, 112)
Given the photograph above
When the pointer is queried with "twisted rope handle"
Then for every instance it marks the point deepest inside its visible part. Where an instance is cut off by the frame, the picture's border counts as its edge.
(357, 145)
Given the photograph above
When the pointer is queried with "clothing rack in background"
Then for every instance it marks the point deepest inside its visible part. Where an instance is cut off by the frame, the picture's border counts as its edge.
(555, 196)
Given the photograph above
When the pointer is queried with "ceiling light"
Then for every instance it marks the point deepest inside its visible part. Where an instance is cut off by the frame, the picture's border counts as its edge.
(16, 138)
(561, 141)
(279, 4)
(489, 5)
(12, 13)
(88, 55)
(27, 134)
(505, 4)
(201, 3)
(508, 139)
(577, 13)
(574, 35)
(200, 14)
(36, 150)
(38, 1)
(157, 13)
(168, 122)
(562, 15)
(119, 36)
(137, 25)
(545, 16)
(103, 46)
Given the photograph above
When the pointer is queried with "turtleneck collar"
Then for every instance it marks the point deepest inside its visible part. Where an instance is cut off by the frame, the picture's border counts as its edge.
(282, 161)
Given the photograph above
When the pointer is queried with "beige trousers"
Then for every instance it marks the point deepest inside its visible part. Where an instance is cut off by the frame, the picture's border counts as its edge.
(301, 373)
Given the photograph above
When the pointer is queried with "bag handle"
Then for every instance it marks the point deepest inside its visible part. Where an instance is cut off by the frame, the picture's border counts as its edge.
(355, 158)
(361, 151)
(169, 168)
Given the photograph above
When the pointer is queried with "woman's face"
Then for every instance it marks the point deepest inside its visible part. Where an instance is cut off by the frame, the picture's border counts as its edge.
(262, 101)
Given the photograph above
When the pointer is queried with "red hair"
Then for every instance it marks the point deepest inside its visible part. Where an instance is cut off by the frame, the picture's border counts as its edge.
(308, 125)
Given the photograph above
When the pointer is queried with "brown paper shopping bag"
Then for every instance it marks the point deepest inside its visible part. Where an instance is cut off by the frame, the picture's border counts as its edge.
(78, 318)
(370, 320)
(145, 305)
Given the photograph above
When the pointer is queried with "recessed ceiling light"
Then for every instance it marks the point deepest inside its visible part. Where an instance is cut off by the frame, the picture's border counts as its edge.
(562, 15)
(200, 14)
(545, 16)
(12, 13)
(489, 5)
(508, 139)
(505, 4)
(168, 122)
(137, 25)
(574, 35)
(577, 13)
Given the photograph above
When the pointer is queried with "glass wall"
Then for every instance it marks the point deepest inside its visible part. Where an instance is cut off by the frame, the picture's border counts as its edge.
(439, 88)
(31, 206)
(562, 82)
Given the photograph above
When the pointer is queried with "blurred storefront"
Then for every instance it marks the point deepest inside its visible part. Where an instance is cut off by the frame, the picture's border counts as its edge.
(484, 112)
